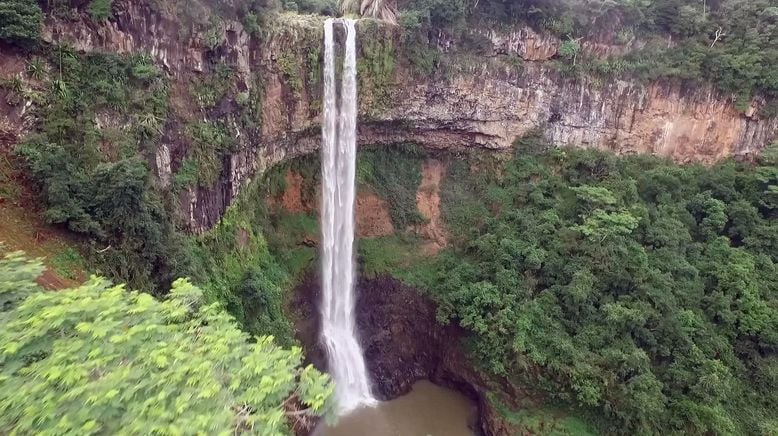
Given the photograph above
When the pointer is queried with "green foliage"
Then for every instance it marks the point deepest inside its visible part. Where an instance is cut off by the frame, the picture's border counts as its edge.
(376, 65)
(210, 89)
(235, 268)
(89, 171)
(67, 263)
(36, 68)
(15, 90)
(214, 33)
(636, 289)
(211, 140)
(20, 22)
(256, 14)
(422, 57)
(569, 49)
(17, 275)
(286, 232)
(251, 24)
(321, 7)
(602, 225)
(100, 360)
(542, 421)
(8, 188)
(396, 255)
(289, 65)
(730, 43)
(464, 195)
(286, 237)
(187, 174)
(395, 175)
(111, 203)
(438, 12)
(233, 261)
(100, 9)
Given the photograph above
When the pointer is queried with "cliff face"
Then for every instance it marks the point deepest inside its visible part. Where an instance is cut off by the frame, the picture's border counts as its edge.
(482, 108)
(483, 102)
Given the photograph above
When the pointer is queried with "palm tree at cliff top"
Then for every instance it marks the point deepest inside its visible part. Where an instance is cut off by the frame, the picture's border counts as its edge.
(379, 9)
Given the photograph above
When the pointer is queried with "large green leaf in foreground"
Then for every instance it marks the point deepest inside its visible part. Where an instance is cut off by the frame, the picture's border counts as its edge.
(101, 360)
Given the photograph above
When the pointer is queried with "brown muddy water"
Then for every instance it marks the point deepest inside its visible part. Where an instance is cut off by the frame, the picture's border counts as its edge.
(428, 410)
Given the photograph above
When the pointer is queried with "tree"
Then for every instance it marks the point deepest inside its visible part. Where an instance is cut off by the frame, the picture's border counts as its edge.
(570, 49)
(378, 9)
(601, 224)
(637, 289)
(20, 21)
(98, 359)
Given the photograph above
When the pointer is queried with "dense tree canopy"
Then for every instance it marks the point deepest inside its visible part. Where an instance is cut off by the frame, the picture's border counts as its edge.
(20, 21)
(633, 287)
(101, 360)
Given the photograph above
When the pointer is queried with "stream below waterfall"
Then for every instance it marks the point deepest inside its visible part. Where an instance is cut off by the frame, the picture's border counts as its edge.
(428, 410)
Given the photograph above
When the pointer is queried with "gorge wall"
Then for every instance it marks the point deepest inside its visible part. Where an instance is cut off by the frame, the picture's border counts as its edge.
(404, 344)
(484, 101)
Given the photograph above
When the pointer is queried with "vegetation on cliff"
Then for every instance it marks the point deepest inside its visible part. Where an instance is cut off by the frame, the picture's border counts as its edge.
(20, 22)
(98, 359)
(97, 116)
(730, 43)
(98, 120)
(632, 287)
(395, 175)
(234, 264)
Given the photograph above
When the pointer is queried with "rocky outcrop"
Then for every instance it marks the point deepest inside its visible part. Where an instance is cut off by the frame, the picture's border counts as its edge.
(433, 230)
(402, 341)
(485, 101)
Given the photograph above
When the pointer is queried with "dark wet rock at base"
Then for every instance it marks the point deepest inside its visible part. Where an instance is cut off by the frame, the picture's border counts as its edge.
(403, 343)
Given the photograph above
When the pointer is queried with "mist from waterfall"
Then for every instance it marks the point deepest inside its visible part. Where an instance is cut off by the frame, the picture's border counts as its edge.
(338, 163)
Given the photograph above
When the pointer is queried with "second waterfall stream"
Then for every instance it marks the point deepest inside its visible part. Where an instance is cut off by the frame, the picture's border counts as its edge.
(338, 164)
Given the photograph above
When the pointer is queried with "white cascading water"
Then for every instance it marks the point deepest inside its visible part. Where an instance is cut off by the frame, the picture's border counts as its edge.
(346, 362)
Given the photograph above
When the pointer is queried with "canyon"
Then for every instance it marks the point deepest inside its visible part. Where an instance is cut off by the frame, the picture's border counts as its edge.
(229, 167)
(483, 102)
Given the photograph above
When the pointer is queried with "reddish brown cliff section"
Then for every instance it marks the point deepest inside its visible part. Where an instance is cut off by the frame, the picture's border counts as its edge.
(476, 104)
(433, 231)
(371, 212)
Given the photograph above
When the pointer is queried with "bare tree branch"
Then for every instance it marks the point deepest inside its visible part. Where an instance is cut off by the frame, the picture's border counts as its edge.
(104, 249)
(719, 34)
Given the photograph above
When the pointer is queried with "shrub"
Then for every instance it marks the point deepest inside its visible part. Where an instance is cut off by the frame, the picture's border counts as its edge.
(100, 9)
(20, 22)
(92, 178)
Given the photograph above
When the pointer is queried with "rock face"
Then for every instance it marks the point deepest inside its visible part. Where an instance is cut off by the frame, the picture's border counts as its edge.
(491, 110)
(428, 203)
(403, 344)
(401, 340)
(483, 103)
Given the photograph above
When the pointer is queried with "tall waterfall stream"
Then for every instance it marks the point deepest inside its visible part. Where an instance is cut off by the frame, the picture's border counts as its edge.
(428, 409)
(339, 151)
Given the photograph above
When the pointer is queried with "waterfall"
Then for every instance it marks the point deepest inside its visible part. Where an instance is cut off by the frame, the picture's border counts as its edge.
(338, 164)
